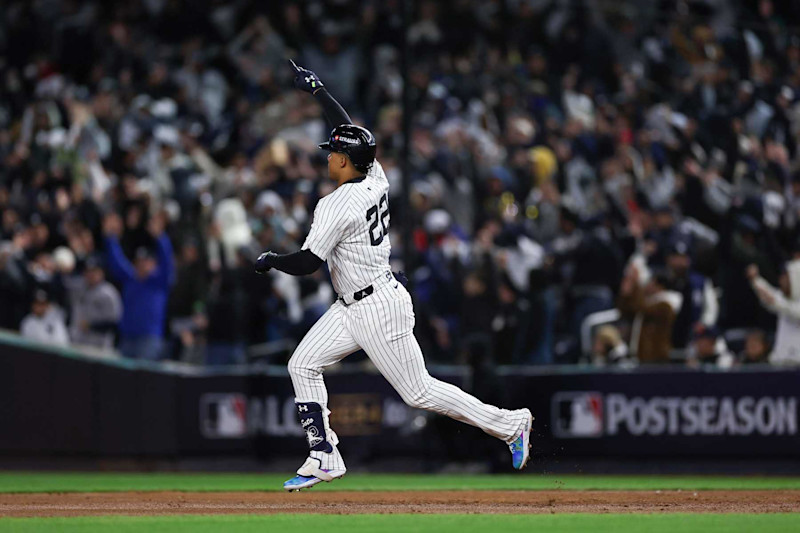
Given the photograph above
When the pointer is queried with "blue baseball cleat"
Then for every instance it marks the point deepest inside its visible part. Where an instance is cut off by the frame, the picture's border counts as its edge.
(310, 474)
(521, 446)
(300, 482)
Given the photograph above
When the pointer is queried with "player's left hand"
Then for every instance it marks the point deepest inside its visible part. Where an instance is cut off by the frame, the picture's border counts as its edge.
(401, 277)
(264, 262)
(305, 79)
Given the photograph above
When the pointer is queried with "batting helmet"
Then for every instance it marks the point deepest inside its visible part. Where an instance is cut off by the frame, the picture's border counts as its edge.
(354, 141)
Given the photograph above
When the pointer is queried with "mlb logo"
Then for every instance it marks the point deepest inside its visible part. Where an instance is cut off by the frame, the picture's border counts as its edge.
(577, 415)
(223, 416)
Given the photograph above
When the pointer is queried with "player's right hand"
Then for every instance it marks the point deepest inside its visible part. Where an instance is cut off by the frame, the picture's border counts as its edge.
(263, 264)
(305, 79)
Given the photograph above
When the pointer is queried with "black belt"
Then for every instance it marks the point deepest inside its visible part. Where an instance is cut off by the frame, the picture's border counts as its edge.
(360, 295)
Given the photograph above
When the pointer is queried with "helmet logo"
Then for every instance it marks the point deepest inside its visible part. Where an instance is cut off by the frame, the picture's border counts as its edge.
(346, 139)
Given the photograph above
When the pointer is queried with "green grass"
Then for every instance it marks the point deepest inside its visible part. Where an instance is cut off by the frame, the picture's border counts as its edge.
(112, 481)
(612, 523)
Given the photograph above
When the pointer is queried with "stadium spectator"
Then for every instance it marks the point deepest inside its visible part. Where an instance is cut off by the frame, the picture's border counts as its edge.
(756, 349)
(145, 288)
(700, 305)
(708, 349)
(608, 348)
(45, 323)
(589, 261)
(784, 302)
(748, 245)
(231, 298)
(478, 309)
(16, 284)
(506, 322)
(550, 143)
(96, 307)
(653, 308)
(187, 303)
(191, 281)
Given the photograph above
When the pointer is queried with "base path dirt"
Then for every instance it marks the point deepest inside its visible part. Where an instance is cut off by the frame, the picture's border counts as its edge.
(161, 503)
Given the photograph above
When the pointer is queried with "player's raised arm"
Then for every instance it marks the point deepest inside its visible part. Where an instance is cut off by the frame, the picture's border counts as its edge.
(306, 80)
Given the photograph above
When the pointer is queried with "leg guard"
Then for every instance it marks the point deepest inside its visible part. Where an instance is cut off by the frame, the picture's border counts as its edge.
(312, 420)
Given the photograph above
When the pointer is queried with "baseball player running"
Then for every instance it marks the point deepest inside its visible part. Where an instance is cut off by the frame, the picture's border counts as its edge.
(373, 311)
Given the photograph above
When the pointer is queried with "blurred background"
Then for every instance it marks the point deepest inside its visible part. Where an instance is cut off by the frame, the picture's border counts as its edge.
(597, 207)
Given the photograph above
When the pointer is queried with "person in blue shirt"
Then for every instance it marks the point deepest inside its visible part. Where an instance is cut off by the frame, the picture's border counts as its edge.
(145, 285)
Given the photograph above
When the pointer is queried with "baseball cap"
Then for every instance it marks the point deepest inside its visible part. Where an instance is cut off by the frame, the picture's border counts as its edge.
(143, 252)
(678, 247)
(706, 332)
(93, 261)
(748, 224)
(40, 295)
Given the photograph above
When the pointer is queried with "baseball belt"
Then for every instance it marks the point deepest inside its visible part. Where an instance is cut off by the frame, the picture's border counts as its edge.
(350, 299)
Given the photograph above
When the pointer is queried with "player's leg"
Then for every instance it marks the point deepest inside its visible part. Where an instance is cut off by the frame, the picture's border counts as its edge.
(326, 343)
(383, 325)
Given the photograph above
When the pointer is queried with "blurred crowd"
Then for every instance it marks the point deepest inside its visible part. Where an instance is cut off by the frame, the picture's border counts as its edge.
(608, 183)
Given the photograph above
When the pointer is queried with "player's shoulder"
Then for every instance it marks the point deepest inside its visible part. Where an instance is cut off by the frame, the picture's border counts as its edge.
(336, 204)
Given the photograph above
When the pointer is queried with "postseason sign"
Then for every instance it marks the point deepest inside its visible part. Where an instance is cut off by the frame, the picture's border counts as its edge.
(664, 412)
(591, 414)
(702, 415)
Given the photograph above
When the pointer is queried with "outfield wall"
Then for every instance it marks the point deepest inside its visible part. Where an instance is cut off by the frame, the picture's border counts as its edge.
(63, 402)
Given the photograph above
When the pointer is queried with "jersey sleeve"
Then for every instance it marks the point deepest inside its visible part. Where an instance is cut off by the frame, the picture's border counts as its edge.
(330, 224)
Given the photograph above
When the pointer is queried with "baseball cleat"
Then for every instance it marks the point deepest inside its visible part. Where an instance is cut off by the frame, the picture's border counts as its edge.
(299, 482)
(312, 473)
(521, 446)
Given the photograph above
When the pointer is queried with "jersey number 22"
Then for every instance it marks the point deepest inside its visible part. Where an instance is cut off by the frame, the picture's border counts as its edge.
(374, 217)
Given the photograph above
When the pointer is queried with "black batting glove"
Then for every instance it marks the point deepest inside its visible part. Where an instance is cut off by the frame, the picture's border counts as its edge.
(264, 262)
(401, 277)
(305, 79)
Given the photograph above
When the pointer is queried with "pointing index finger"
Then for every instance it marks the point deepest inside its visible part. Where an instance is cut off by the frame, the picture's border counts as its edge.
(294, 66)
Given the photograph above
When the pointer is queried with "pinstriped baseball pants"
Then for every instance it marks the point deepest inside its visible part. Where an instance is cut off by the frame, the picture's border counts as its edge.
(382, 324)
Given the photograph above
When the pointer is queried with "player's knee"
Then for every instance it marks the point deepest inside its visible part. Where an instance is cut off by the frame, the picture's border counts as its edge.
(297, 367)
(415, 401)
(419, 397)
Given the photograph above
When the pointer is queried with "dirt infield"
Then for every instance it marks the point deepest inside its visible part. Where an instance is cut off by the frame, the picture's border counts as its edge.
(163, 503)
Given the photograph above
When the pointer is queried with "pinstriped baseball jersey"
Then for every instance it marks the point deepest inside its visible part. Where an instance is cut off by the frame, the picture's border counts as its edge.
(350, 231)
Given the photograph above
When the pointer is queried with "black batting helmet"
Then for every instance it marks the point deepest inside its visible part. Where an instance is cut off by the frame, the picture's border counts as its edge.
(354, 141)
